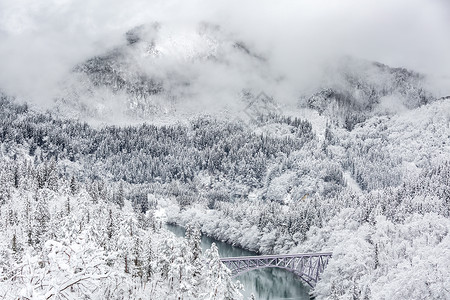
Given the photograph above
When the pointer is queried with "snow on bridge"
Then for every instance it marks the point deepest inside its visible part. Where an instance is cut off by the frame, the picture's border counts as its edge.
(308, 266)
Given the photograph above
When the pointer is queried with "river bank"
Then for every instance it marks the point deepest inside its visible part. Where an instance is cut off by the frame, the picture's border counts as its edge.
(264, 284)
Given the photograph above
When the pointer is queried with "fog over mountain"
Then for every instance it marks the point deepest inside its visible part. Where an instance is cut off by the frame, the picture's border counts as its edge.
(214, 51)
(276, 127)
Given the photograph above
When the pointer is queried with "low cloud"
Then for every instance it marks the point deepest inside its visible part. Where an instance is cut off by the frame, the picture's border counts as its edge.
(41, 41)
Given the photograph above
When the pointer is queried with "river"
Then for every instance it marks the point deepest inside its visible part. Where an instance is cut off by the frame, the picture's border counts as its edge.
(265, 284)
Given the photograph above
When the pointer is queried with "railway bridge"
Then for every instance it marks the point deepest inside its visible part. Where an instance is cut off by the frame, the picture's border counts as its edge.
(308, 266)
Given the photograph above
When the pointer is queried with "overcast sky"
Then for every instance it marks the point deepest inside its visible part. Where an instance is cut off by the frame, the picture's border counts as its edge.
(40, 41)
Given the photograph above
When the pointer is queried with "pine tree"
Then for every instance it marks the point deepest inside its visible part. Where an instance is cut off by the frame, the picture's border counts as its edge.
(194, 242)
(14, 247)
(16, 177)
(220, 284)
(120, 196)
(5, 193)
(110, 230)
(42, 218)
(67, 206)
(148, 258)
(73, 186)
(137, 257)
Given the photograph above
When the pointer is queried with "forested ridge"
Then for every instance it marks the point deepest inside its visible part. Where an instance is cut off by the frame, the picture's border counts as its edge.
(72, 236)
(142, 143)
(369, 193)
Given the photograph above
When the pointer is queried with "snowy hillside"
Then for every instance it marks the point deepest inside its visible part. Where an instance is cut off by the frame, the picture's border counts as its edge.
(65, 239)
(162, 69)
(201, 122)
(356, 90)
(234, 180)
(164, 72)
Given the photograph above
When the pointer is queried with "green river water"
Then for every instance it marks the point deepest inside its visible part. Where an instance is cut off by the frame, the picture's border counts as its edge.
(265, 284)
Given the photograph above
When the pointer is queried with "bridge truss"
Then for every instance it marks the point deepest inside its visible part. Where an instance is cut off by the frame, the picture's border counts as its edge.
(308, 266)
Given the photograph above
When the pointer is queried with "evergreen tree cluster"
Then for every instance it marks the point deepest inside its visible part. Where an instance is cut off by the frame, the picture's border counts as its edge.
(64, 239)
(68, 189)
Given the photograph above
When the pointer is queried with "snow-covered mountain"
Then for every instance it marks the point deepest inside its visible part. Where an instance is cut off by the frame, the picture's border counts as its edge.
(164, 71)
(359, 89)
(161, 70)
(358, 160)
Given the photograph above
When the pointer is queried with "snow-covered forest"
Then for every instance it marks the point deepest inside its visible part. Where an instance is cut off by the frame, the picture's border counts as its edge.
(62, 238)
(297, 129)
(78, 203)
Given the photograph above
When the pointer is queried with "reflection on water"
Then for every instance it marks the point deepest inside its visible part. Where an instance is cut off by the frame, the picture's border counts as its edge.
(271, 283)
(265, 284)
